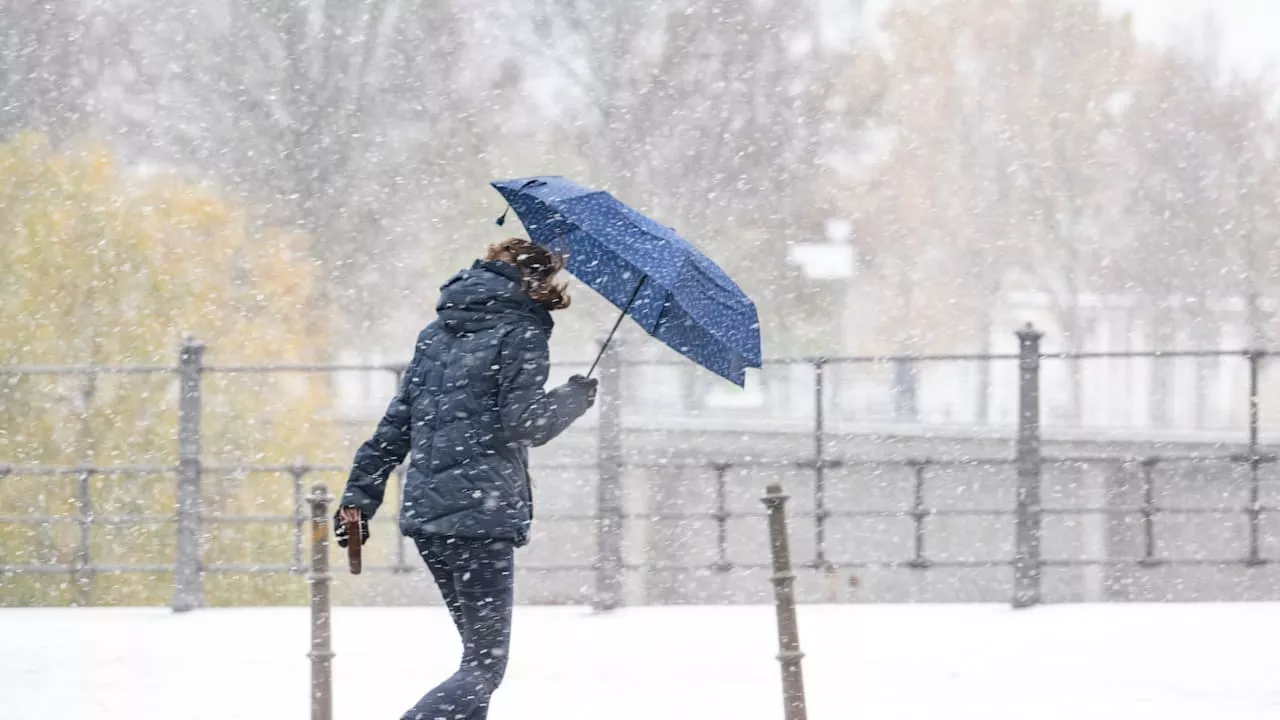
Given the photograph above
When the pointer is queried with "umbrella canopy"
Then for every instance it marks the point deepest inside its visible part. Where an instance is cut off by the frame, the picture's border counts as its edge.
(673, 291)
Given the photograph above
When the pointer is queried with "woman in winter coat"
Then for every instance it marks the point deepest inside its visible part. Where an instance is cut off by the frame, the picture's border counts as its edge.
(470, 405)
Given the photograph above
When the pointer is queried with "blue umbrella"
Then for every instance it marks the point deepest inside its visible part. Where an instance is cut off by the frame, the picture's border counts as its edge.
(672, 290)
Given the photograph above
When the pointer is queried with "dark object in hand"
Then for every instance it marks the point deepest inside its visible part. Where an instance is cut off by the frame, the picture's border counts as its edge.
(351, 528)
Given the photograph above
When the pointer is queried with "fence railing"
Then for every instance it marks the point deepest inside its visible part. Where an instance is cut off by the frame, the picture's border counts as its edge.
(1131, 509)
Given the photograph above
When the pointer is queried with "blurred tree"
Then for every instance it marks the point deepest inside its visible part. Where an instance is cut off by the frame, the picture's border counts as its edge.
(105, 266)
(1205, 233)
(712, 116)
(48, 64)
(357, 123)
(991, 125)
(1037, 147)
(375, 126)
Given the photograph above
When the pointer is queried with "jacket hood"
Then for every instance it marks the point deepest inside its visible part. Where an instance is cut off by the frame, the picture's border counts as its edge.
(484, 296)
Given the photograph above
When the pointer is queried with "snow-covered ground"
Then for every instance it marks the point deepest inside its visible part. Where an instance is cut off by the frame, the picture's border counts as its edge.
(1170, 662)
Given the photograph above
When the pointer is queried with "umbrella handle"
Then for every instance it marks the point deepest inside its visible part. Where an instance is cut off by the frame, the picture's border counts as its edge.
(502, 219)
(634, 294)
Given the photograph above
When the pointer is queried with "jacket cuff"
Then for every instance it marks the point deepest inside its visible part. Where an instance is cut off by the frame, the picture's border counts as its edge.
(356, 497)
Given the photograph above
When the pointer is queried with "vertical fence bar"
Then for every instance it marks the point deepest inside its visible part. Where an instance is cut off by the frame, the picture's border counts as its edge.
(608, 594)
(918, 515)
(1148, 512)
(903, 389)
(820, 512)
(1255, 461)
(982, 406)
(299, 519)
(83, 574)
(321, 654)
(187, 591)
(784, 601)
(721, 516)
(1026, 559)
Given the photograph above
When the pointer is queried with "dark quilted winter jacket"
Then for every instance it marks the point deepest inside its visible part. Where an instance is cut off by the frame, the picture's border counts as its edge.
(470, 405)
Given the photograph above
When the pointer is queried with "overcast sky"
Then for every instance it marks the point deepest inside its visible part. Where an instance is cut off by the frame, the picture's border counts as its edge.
(1250, 28)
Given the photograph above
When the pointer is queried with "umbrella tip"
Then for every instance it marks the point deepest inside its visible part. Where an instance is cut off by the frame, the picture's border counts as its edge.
(502, 219)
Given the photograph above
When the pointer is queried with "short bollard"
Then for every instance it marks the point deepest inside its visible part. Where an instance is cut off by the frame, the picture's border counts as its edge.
(784, 601)
(321, 652)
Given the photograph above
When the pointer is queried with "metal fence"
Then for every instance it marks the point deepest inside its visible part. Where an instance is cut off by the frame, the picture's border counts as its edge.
(843, 525)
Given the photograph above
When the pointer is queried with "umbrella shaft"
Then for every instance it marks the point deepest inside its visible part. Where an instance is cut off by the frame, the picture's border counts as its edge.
(634, 294)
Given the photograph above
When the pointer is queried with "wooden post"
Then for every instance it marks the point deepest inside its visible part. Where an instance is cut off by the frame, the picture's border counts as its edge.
(784, 601)
(321, 654)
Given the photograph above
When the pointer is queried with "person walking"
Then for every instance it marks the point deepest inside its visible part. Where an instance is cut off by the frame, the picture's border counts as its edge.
(471, 404)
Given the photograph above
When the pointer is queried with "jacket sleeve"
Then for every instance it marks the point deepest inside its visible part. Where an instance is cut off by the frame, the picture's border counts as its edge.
(530, 414)
(380, 454)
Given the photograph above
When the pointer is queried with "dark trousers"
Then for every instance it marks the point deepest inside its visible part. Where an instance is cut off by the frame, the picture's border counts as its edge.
(476, 579)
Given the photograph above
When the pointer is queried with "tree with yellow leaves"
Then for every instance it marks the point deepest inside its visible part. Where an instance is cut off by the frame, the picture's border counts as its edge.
(100, 265)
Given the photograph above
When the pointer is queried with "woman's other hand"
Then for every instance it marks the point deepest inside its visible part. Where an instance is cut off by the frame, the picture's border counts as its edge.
(344, 516)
